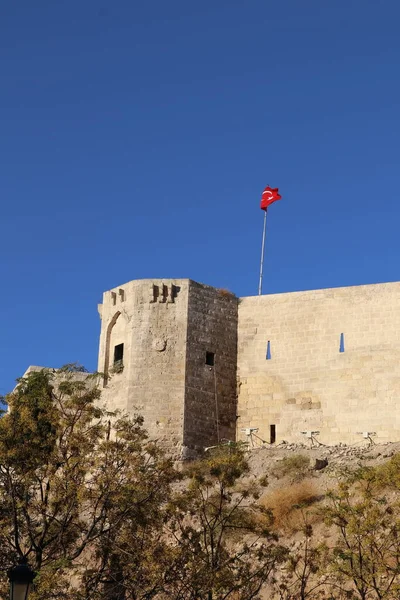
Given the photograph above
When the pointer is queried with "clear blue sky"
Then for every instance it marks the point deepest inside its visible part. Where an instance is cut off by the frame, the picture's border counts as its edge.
(136, 138)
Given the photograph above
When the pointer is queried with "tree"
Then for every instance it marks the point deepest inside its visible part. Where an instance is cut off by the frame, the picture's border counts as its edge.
(102, 514)
(366, 558)
(221, 537)
(302, 576)
(130, 561)
(69, 484)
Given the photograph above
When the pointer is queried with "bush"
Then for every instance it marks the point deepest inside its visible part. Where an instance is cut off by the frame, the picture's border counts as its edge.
(226, 293)
(388, 474)
(288, 502)
(295, 467)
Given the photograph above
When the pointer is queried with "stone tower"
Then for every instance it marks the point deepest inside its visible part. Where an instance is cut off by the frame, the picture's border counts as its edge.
(168, 351)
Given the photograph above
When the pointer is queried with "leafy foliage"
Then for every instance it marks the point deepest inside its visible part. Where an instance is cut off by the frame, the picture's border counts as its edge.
(303, 575)
(225, 548)
(102, 514)
(69, 485)
(366, 557)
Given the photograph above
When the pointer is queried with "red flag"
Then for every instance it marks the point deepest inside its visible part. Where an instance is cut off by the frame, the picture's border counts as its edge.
(269, 196)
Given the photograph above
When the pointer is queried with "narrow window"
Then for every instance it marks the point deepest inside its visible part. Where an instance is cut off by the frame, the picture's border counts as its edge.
(114, 298)
(272, 434)
(118, 354)
(341, 347)
(210, 359)
(269, 350)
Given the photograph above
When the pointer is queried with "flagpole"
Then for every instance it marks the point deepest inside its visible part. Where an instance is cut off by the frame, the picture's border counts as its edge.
(262, 253)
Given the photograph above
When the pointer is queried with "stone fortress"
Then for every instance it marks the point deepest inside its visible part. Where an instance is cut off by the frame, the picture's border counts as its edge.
(203, 366)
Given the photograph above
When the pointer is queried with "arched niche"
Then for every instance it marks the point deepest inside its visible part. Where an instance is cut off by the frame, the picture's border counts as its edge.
(107, 350)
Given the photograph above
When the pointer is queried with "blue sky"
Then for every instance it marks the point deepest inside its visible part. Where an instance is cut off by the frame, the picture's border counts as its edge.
(136, 139)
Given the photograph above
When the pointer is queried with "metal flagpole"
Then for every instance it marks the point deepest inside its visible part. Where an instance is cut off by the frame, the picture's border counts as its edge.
(262, 254)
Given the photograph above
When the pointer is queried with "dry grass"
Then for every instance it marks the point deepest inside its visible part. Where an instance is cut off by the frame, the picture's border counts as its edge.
(225, 293)
(288, 504)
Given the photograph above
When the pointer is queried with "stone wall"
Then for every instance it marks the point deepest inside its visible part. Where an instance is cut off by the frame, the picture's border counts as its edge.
(150, 318)
(166, 328)
(210, 390)
(308, 384)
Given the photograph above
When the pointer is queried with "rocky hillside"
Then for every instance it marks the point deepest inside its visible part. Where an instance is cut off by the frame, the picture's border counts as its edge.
(301, 476)
(299, 479)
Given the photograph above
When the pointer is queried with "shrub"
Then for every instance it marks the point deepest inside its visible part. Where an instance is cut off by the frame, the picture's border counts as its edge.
(388, 474)
(288, 502)
(295, 467)
(225, 293)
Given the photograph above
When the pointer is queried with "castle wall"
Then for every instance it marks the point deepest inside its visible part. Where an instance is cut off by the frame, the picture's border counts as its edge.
(150, 318)
(158, 337)
(210, 390)
(308, 385)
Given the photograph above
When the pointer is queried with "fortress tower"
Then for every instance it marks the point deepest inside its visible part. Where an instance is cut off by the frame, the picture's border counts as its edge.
(202, 366)
(168, 351)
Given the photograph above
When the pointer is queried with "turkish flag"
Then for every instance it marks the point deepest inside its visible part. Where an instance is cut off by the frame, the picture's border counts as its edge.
(269, 196)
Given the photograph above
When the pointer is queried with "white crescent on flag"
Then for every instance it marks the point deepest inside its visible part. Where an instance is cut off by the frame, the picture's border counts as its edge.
(266, 196)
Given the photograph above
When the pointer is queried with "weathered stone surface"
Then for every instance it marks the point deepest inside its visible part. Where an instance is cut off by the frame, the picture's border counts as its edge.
(210, 391)
(166, 328)
(341, 395)
(306, 392)
(153, 331)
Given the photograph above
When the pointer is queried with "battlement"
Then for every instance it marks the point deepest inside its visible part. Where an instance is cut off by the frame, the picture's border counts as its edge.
(163, 292)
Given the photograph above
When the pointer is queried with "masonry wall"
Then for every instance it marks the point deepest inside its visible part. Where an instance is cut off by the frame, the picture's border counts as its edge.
(150, 318)
(308, 385)
(210, 391)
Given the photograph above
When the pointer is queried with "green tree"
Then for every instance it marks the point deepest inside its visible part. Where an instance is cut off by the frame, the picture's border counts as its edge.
(220, 534)
(69, 484)
(365, 560)
(132, 559)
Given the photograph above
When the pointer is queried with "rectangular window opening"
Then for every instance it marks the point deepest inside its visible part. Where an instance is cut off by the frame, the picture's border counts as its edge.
(210, 359)
(118, 354)
(272, 434)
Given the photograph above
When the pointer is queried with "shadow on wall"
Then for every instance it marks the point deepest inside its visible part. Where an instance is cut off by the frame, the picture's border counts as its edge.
(108, 343)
